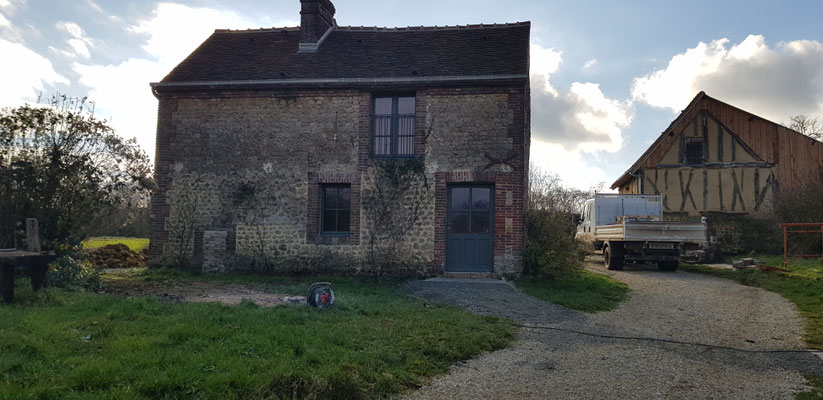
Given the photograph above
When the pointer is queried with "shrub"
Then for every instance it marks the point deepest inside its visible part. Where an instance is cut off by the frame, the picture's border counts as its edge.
(551, 249)
(71, 273)
(797, 206)
(743, 234)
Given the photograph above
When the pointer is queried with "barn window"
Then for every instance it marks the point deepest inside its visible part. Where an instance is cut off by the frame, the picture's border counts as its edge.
(336, 209)
(694, 151)
(393, 126)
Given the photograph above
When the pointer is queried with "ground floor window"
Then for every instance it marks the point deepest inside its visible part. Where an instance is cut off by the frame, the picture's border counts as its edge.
(336, 215)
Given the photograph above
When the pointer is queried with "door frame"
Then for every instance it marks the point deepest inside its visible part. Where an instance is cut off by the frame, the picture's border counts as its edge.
(492, 207)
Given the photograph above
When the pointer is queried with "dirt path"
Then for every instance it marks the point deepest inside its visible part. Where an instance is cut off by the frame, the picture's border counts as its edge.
(194, 292)
(554, 362)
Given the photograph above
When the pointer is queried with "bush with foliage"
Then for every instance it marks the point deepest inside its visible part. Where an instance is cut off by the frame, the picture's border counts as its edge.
(69, 272)
(799, 206)
(67, 169)
(551, 249)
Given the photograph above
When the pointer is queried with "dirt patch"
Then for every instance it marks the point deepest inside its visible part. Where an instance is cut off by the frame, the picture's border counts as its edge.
(198, 292)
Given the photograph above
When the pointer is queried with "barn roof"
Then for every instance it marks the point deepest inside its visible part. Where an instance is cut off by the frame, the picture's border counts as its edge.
(358, 54)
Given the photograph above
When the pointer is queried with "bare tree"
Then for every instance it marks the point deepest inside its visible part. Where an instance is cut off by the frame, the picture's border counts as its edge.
(399, 198)
(807, 125)
(547, 192)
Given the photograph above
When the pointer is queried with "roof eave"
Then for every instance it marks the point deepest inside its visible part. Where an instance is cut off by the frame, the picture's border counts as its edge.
(338, 82)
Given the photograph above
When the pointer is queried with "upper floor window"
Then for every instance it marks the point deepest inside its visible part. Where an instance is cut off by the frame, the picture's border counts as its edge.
(393, 127)
(694, 151)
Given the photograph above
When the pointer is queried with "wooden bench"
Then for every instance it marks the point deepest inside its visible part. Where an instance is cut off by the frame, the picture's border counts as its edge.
(38, 264)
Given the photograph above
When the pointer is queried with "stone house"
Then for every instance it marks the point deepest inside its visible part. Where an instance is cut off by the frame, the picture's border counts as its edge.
(390, 150)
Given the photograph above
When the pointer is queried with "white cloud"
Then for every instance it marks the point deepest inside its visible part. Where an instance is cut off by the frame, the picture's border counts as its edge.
(4, 23)
(773, 82)
(94, 6)
(78, 41)
(23, 73)
(543, 63)
(578, 118)
(576, 169)
(590, 64)
(10, 5)
(570, 124)
(122, 91)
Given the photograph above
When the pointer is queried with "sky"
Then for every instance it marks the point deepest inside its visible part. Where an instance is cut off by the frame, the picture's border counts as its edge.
(607, 77)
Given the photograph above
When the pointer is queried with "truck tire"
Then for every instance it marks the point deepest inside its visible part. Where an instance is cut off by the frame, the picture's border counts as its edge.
(613, 257)
(669, 266)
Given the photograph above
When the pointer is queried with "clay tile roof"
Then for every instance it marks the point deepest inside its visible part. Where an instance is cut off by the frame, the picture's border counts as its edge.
(359, 52)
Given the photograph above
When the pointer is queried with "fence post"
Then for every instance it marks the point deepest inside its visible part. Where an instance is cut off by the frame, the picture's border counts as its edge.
(32, 235)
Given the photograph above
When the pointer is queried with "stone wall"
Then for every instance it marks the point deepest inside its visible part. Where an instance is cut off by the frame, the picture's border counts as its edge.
(254, 162)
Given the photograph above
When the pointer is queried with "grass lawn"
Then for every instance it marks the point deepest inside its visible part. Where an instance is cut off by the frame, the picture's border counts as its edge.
(374, 342)
(135, 244)
(583, 290)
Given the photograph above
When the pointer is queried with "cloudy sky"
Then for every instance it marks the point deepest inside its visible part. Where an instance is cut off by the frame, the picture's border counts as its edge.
(607, 76)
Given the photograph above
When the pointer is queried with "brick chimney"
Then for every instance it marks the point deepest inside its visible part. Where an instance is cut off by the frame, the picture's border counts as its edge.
(316, 18)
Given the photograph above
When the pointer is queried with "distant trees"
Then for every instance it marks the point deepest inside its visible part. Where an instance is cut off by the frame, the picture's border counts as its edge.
(67, 169)
(807, 125)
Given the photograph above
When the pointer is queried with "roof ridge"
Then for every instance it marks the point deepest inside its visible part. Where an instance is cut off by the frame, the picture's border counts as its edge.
(387, 29)
(432, 28)
(252, 30)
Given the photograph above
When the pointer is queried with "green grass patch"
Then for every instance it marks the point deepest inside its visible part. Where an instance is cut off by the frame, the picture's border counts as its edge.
(805, 267)
(816, 392)
(373, 343)
(580, 290)
(135, 244)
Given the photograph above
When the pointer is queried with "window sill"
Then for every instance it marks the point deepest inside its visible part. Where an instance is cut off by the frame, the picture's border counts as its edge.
(403, 157)
(335, 239)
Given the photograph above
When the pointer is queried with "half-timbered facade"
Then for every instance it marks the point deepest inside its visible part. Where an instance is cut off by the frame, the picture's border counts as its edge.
(716, 158)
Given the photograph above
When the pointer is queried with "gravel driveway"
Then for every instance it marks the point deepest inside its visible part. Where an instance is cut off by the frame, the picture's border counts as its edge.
(680, 307)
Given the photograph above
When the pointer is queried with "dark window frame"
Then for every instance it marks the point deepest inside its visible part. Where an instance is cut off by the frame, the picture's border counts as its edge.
(394, 136)
(337, 210)
(702, 156)
(490, 208)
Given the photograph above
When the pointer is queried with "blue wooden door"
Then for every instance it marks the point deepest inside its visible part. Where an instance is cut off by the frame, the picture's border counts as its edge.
(470, 229)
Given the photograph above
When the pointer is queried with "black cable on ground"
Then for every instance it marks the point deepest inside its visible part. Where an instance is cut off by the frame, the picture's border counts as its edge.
(650, 339)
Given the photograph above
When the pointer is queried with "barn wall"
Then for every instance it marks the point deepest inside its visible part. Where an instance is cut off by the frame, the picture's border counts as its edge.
(700, 190)
(799, 158)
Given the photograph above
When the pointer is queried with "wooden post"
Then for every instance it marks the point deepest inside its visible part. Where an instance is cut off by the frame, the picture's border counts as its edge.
(7, 281)
(785, 247)
(32, 235)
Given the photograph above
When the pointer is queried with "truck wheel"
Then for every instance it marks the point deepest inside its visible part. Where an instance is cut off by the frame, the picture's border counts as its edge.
(613, 258)
(668, 265)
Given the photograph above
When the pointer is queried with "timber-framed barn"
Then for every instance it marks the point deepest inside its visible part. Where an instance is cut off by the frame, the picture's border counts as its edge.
(717, 158)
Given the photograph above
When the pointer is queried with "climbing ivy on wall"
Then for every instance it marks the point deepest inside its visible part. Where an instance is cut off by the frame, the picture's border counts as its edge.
(398, 197)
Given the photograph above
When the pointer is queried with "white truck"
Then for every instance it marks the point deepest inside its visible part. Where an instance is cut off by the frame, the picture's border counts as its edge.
(630, 228)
